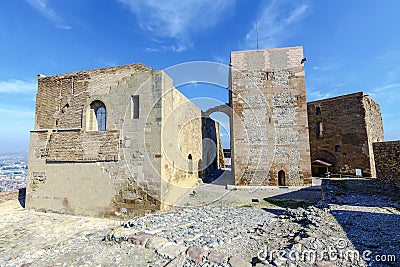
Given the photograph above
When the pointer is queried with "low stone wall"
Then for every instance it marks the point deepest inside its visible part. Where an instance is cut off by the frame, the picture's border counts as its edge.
(11, 195)
(387, 161)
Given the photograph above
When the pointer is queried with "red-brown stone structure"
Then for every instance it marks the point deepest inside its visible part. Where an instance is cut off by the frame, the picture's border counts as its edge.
(387, 161)
(342, 131)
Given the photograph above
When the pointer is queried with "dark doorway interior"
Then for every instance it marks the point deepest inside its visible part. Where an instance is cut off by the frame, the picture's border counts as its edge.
(281, 178)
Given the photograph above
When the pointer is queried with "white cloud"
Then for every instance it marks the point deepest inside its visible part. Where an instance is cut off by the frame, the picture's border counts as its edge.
(165, 48)
(317, 95)
(326, 67)
(45, 10)
(273, 23)
(177, 19)
(15, 113)
(17, 86)
(387, 87)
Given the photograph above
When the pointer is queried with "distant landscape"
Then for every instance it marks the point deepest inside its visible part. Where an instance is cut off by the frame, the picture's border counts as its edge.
(13, 169)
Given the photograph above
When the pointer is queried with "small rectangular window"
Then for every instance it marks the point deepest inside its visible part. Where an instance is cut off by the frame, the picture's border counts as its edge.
(319, 130)
(134, 107)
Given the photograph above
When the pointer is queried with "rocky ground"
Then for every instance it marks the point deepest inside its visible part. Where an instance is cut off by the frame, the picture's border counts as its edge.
(242, 228)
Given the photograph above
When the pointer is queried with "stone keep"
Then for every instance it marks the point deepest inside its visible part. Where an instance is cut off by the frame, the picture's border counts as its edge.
(342, 132)
(269, 129)
(115, 141)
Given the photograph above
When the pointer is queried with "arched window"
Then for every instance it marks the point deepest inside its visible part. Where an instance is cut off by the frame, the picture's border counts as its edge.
(318, 111)
(96, 116)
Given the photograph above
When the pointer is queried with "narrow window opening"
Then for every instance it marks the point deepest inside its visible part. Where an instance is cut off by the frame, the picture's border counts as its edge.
(134, 107)
(73, 86)
(190, 164)
(318, 111)
(319, 130)
(200, 169)
(338, 148)
(101, 119)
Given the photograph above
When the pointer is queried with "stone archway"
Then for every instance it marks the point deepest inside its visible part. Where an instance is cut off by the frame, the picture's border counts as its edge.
(222, 124)
(224, 108)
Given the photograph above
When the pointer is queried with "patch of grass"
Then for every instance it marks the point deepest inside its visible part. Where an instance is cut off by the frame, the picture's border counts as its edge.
(261, 203)
(278, 202)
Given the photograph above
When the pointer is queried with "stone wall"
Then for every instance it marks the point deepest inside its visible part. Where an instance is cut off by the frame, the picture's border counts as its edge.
(210, 146)
(387, 161)
(373, 119)
(83, 146)
(269, 121)
(13, 195)
(181, 141)
(350, 124)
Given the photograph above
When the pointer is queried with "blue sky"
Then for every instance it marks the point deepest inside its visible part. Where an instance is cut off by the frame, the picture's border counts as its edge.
(351, 46)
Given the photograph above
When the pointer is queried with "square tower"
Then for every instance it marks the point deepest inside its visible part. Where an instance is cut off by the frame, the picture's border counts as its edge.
(270, 142)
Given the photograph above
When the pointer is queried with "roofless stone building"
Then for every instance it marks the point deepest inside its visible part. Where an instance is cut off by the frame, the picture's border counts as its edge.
(112, 142)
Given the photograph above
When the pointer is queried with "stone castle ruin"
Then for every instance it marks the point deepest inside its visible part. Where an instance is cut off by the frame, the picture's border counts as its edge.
(123, 141)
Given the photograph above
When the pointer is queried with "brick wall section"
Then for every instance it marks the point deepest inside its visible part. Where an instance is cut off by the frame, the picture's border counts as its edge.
(83, 146)
(352, 122)
(387, 161)
(61, 98)
(269, 122)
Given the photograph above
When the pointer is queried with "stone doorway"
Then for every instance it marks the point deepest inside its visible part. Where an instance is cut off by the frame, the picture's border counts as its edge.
(281, 178)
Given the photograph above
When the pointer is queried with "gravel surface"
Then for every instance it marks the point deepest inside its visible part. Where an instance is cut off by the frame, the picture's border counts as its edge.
(355, 216)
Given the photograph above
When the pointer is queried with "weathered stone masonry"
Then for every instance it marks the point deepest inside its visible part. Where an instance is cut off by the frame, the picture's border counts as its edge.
(269, 122)
(127, 167)
(387, 161)
(342, 130)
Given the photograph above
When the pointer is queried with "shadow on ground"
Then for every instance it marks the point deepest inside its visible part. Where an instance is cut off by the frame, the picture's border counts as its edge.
(220, 177)
(303, 197)
(368, 211)
(21, 196)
